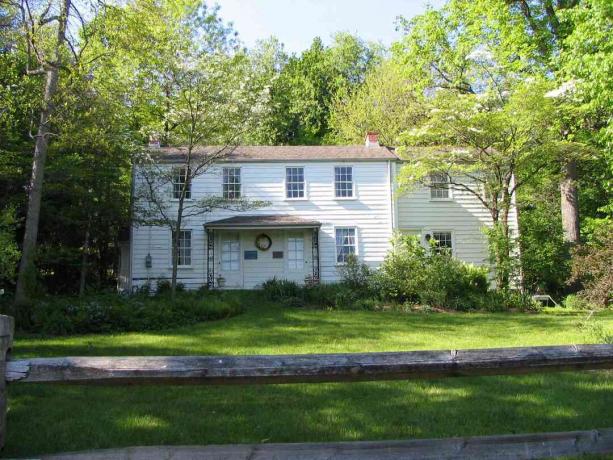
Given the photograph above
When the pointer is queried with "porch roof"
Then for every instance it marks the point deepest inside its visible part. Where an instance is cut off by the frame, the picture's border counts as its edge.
(262, 221)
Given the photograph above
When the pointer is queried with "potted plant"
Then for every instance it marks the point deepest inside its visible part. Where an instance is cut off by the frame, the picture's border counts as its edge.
(221, 281)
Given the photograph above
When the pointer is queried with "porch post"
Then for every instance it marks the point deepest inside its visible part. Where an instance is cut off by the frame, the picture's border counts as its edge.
(210, 258)
(315, 254)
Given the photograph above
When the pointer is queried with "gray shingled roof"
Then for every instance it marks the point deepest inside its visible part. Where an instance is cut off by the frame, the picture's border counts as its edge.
(263, 221)
(259, 153)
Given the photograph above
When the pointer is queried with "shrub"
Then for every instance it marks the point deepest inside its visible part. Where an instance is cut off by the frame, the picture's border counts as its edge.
(403, 271)
(276, 289)
(140, 312)
(293, 302)
(323, 294)
(591, 266)
(509, 300)
(412, 274)
(354, 274)
(576, 302)
(164, 286)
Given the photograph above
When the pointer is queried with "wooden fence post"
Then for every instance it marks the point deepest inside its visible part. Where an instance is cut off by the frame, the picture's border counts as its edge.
(7, 326)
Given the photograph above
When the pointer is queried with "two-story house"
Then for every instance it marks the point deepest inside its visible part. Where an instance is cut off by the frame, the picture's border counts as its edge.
(324, 203)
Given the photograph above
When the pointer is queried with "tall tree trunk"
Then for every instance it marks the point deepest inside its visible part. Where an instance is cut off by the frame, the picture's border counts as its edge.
(26, 275)
(83, 277)
(569, 202)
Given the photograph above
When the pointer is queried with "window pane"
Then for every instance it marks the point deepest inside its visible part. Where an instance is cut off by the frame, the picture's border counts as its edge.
(343, 181)
(442, 241)
(295, 253)
(345, 243)
(184, 249)
(439, 186)
(294, 182)
(231, 183)
(178, 182)
(230, 255)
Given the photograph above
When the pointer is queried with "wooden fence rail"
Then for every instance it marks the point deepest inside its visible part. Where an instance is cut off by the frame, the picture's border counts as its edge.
(265, 369)
(308, 368)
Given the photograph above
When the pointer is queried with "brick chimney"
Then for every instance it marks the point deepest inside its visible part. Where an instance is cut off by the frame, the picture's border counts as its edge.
(372, 139)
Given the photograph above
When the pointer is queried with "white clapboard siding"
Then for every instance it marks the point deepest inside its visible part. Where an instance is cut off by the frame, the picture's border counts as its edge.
(463, 215)
(370, 212)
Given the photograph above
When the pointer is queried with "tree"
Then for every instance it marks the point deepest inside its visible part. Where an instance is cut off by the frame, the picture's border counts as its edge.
(211, 102)
(302, 93)
(49, 56)
(387, 102)
(493, 141)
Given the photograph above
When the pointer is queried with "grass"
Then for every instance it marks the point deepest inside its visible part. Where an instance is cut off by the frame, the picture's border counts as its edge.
(52, 418)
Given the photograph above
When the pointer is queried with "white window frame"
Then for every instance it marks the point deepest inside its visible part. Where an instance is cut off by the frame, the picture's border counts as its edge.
(356, 245)
(299, 263)
(191, 247)
(224, 183)
(181, 172)
(353, 188)
(432, 188)
(433, 231)
(304, 183)
(221, 253)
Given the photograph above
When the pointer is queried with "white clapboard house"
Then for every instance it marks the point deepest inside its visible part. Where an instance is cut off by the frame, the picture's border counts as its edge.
(325, 202)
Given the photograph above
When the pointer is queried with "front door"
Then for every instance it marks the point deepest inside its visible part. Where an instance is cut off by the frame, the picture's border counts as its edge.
(230, 260)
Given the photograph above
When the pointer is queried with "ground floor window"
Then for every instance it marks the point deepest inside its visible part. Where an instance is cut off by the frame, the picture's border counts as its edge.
(185, 247)
(295, 253)
(230, 255)
(442, 242)
(345, 244)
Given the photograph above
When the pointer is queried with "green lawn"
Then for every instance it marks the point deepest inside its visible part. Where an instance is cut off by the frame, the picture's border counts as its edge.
(51, 418)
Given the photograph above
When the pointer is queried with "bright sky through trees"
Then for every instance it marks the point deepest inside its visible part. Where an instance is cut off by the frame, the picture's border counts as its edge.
(297, 22)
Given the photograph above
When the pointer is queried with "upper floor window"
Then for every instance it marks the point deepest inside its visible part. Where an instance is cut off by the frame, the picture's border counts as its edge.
(232, 183)
(439, 186)
(343, 181)
(184, 250)
(179, 178)
(345, 244)
(443, 242)
(294, 182)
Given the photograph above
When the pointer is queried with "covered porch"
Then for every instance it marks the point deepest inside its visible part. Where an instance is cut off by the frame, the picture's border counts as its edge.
(245, 251)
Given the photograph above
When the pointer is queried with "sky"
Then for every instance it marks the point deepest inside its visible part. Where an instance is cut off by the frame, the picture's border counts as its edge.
(297, 22)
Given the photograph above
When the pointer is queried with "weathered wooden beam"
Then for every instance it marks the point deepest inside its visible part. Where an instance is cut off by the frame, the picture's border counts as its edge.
(7, 326)
(309, 368)
(521, 446)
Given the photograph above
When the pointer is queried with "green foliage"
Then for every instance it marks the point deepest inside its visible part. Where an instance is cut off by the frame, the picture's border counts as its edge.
(595, 330)
(412, 274)
(99, 313)
(303, 88)
(402, 273)
(278, 289)
(9, 252)
(355, 274)
(387, 103)
(592, 267)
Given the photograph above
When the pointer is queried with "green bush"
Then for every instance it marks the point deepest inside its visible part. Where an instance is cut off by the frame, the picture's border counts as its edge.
(103, 313)
(402, 274)
(279, 289)
(509, 300)
(412, 274)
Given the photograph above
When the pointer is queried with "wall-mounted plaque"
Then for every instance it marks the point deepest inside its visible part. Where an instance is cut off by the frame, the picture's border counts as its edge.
(251, 255)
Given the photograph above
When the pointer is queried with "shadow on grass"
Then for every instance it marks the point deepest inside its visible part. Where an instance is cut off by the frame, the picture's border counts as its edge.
(53, 418)
(276, 330)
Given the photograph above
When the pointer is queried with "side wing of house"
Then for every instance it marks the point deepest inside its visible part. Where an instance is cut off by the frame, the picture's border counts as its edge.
(454, 217)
